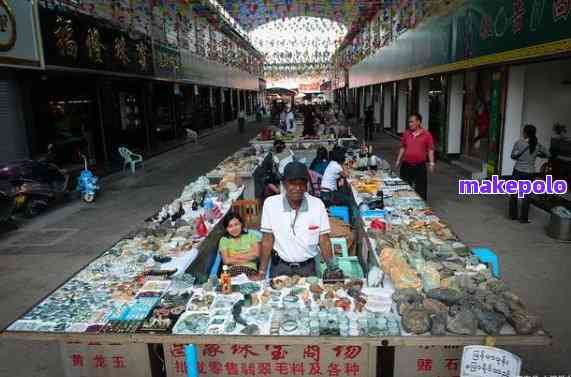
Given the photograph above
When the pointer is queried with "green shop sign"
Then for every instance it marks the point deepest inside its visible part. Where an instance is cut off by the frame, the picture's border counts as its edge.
(477, 33)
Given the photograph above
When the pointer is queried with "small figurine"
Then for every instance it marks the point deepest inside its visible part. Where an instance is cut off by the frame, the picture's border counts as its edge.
(201, 228)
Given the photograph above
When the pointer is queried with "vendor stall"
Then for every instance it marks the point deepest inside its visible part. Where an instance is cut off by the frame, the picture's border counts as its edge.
(410, 283)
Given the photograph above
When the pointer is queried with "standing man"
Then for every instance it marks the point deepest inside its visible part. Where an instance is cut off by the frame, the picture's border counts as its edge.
(417, 145)
(369, 121)
(295, 228)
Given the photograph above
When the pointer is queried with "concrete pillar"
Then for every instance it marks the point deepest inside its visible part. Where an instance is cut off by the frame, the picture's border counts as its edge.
(424, 100)
(387, 105)
(402, 112)
(514, 115)
(362, 102)
(455, 110)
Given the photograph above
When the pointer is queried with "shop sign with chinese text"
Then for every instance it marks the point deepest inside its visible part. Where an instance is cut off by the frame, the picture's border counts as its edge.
(430, 361)
(19, 42)
(227, 360)
(102, 360)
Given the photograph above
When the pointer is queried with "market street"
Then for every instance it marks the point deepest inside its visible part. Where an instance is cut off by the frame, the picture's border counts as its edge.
(29, 273)
(364, 188)
(84, 231)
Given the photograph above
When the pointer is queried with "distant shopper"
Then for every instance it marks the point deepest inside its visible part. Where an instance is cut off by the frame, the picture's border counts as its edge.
(482, 124)
(240, 250)
(417, 145)
(320, 162)
(332, 192)
(309, 122)
(241, 121)
(290, 120)
(525, 151)
(369, 123)
(283, 120)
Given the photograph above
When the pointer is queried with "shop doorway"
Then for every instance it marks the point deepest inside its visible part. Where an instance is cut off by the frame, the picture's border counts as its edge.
(437, 110)
(476, 122)
(227, 105)
(216, 93)
(66, 123)
(163, 129)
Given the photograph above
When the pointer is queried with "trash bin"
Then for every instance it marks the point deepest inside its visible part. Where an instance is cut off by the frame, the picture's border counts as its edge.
(560, 224)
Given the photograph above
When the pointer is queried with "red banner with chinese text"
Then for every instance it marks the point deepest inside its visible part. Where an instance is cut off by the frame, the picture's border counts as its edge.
(271, 360)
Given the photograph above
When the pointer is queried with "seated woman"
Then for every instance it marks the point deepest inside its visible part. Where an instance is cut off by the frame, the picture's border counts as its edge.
(320, 162)
(335, 172)
(239, 249)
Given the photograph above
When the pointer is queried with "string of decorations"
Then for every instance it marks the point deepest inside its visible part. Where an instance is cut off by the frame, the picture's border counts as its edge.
(385, 27)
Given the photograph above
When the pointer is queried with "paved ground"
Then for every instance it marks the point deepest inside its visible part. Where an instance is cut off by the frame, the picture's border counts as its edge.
(534, 265)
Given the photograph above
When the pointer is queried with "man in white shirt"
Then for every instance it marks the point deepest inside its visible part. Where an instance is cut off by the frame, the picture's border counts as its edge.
(295, 227)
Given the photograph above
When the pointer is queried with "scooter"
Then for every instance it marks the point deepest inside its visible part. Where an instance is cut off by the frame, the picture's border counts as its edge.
(35, 184)
(87, 183)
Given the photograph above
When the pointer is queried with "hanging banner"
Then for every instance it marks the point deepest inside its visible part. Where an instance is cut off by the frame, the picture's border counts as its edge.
(19, 40)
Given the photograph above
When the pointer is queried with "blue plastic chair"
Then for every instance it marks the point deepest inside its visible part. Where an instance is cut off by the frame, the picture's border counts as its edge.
(488, 257)
(218, 260)
(341, 212)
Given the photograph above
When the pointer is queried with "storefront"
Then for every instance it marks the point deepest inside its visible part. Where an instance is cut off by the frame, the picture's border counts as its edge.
(482, 121)
(539, 93)
(19, 55)
(227, 105)
(203, 110)
(66, 120)
(437, 109)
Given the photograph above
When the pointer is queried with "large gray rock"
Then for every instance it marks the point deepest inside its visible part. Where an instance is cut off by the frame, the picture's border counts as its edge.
(434, 306)
(490, 322)
(502, 308)
(463, 323)
(407, 295)
(446, 295)
(524, 322)
(438, 322)
(416, 321)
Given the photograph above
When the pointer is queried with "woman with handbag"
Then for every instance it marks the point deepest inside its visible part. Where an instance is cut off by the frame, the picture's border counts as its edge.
(525, 151)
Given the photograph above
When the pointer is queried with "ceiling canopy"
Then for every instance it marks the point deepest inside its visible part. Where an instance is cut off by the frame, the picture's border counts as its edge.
(253, 13)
